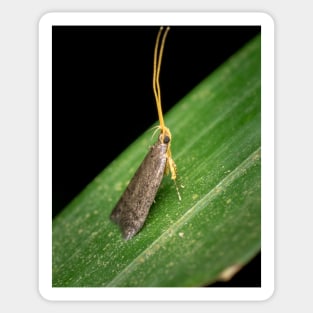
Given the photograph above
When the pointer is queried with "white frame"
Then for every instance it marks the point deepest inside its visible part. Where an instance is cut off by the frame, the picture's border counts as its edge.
(45, 156)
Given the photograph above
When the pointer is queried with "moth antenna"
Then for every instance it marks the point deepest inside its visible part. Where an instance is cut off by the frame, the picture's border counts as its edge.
(158, 53)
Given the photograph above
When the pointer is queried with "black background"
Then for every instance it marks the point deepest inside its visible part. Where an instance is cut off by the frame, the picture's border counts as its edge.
(102, 97)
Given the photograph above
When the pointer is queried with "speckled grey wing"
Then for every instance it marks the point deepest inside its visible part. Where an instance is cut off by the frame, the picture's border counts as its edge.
(133, 207)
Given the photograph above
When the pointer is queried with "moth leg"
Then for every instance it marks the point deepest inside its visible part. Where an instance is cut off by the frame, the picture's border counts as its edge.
(171, 167)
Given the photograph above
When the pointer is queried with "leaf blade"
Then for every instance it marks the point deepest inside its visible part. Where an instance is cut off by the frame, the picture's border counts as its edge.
(219, 151)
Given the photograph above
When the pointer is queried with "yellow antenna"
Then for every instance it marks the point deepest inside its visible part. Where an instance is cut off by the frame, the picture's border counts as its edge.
(157, 60)
(158, 53)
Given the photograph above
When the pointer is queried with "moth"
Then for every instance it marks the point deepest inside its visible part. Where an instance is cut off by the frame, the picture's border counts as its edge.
(133, 207)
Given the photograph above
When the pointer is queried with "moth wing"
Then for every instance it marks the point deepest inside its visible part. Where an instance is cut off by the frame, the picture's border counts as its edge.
(133, 207)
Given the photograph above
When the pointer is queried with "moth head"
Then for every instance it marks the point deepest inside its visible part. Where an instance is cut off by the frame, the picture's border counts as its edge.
(165, 135)
(166, 139)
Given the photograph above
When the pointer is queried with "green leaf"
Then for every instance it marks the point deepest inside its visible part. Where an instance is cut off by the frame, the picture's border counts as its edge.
(216, 144)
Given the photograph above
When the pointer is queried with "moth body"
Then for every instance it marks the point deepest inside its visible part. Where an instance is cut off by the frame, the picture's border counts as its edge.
(133, 207)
